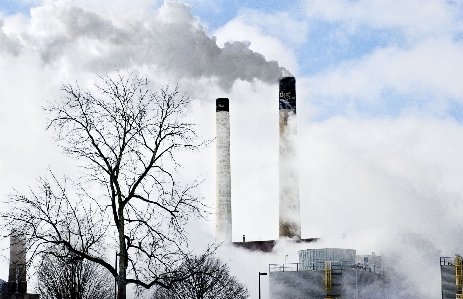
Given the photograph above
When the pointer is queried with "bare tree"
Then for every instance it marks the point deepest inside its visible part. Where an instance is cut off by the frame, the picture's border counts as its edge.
(126, 138)
(64, 276)
(211, 279)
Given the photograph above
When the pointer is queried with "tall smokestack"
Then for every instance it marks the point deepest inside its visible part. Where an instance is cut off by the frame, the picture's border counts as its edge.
(17, 271)
(223, 219)
(290, 223)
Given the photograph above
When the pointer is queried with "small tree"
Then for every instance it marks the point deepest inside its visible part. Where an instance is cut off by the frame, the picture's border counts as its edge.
(208, 278)
(126, 138)
(63, 276)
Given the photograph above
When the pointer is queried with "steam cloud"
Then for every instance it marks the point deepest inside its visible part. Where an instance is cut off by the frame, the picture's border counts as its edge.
(7, 44)
(172, 40)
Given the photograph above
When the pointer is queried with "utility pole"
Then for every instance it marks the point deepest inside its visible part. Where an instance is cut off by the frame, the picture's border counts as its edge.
(261, 273)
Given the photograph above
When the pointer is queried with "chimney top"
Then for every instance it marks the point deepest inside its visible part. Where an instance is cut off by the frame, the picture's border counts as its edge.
(287, 97)
(222, 104)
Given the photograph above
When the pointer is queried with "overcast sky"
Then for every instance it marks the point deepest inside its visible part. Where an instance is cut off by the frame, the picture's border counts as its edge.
(380, 109)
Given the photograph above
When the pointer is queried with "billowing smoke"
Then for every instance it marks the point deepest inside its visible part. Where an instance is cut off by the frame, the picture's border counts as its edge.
(7, 44)
(171, 39)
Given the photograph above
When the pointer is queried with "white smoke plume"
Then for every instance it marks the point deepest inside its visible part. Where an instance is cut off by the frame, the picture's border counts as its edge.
(171, 39)
(7, 44)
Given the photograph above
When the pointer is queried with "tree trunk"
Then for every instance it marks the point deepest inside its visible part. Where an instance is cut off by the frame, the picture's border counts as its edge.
(122, 277)
(123, 259)
(121, 288)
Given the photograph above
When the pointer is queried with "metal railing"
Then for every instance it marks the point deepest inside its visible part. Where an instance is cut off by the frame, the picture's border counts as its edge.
(289, 267)
(283, 267)
(447, 261)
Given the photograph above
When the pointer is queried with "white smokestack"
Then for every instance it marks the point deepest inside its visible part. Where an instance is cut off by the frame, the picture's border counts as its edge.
(223, 219)
(290, 223)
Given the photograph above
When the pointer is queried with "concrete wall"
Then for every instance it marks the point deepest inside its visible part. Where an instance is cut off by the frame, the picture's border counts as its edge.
(348, 283)
(449, 288)
(300, 284)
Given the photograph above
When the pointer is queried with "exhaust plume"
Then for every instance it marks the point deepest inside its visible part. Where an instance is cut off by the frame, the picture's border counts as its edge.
(170, 39)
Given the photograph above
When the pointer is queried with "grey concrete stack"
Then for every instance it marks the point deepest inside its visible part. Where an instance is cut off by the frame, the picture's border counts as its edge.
(289, 206)
(17, 282)
(223, 220)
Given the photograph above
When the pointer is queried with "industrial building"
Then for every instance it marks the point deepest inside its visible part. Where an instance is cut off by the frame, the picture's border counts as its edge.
(452, 277)
(320, 273)
(329, 273)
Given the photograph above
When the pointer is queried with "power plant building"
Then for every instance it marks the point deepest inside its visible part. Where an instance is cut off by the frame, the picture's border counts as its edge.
(328, 273)
(452, 277)
(320, 273)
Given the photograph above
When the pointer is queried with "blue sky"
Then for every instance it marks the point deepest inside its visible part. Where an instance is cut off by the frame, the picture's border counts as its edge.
(380, 106)
(326, 39)
(10, 7)
(326, 52)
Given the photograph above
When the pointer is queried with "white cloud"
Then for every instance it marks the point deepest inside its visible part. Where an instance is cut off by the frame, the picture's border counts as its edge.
(416, 18)
(270, 46)
(287, 26)
(429, 72)
(7, 44)
(375, 175)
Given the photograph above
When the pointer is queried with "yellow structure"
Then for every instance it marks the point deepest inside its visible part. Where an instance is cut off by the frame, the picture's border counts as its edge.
(328, 276)
(459, 275)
